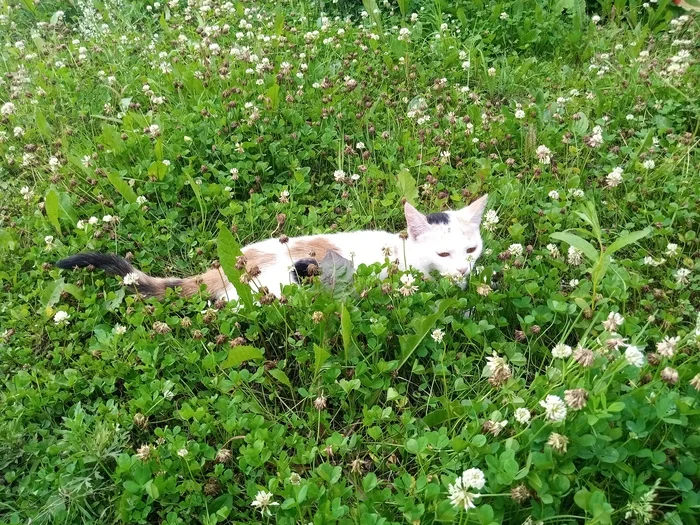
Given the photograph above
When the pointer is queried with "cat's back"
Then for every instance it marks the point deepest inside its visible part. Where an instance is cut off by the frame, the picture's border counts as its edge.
(365, 246)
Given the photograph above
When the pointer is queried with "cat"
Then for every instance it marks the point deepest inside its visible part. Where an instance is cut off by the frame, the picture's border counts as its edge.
(448, 242)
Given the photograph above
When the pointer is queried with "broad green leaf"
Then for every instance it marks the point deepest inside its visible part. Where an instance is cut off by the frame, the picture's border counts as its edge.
(65, 208)
(579, 243)
(274, 95)
(52, 293)
(116, 301)
(321, 355)
(369, 482)
(580, 126)
(152, 489)
(407, 186)
(280, 376)
(229, 250)
(51, 207)
(627, 239)
(240, 354)
(122, 187)
(346, 331)
(423, 325)
(336, 273)
(42, 124)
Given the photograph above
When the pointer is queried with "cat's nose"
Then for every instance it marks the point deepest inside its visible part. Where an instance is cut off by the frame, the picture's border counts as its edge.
(464, 270)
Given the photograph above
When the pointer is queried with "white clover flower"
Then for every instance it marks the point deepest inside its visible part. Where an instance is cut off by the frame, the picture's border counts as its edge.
(183, 452)
(80, 224)
(649, 164)
(519, 114)
(93, 220)
(339, 175)
(437, 335)
(8, 108)
(561, 351)
(671, 249)
(574, 257)
(107, 219)
(119, 329)
(490, 220)
(553, 251)
(681, 275)
(466, 64)
(516, 249)
(667, 346)
(554, 194)
(263, 500)
(492, 71)
(473, 478)
(522, 416)
(141, 200)
(504, 16)
(573, 283)
(544, 154)
(131, 279)
(634, 356)
(61, 317)
(613, 322)
(48, 239)
(554, 407)
(614, 178)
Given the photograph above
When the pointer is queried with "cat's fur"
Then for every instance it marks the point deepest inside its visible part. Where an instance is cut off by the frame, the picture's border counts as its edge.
(449, 242)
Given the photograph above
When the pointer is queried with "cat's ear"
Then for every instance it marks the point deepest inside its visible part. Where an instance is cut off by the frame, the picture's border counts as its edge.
(415, 220)
(471, 215)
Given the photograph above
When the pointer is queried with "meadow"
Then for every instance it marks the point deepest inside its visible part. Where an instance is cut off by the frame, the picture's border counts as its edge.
(559, 384)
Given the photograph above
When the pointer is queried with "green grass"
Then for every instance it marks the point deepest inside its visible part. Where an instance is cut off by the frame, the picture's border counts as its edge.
(347, 407)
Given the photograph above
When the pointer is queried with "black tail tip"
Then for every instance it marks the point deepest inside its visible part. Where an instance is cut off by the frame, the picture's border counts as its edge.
(110, 263)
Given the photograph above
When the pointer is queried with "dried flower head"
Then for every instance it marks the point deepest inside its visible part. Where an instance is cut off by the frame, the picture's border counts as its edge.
(223, 455)
(695, 382)
(669, 375)
(558, 442)
(144, 452)
(140, 421)
(576, 399)
(520, 494)
(160, 327)
(317, 317)
(584, 357)
(320, 402)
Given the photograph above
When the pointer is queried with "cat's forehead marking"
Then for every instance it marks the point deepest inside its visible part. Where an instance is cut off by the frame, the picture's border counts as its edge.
(438, 218)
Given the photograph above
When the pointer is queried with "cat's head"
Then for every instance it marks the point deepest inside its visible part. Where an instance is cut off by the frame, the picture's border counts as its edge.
(449, 242)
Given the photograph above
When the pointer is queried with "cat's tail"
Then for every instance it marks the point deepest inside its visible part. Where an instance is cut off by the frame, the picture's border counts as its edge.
(142, 282)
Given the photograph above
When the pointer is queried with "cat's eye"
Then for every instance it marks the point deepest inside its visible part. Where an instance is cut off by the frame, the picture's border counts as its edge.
(471, 250)
(444, 254)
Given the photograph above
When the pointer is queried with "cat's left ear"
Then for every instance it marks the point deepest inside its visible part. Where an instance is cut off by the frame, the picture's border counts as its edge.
(472, 214)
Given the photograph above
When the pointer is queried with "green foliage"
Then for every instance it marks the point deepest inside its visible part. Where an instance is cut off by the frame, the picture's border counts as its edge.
(179, 132)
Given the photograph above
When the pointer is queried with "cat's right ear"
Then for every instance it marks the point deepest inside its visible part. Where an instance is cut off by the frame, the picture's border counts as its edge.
(415, 220)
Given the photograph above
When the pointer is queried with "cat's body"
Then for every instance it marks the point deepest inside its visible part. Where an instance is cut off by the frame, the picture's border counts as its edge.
(448, 242)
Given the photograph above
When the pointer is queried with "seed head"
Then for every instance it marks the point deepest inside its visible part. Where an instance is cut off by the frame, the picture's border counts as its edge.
(185, 322)
(238, 341)
(584, 357)
(317, 317)
(141, 421)
(669, 375)
(284, 239)
(695, 382)
(161, 328)
(576, 398)
(520, 494)
(223, 455)
(320, 402)
(558, 442)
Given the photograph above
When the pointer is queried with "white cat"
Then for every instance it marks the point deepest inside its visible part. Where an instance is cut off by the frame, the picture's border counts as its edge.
(449, 242)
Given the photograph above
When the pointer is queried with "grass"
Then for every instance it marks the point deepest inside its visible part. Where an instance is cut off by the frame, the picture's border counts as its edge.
(150, 129)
